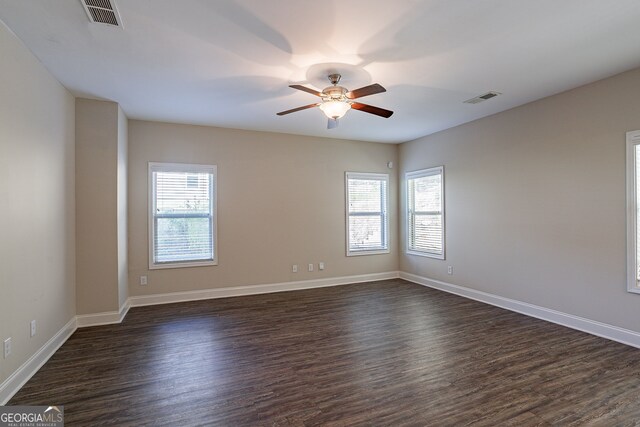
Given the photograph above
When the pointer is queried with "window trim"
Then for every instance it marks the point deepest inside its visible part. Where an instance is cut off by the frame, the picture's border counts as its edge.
(182, 167)
(437, 170)
(633, 139)
(385, 213)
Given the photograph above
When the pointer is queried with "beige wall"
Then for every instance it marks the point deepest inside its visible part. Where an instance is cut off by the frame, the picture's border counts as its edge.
(37, 249)
(123, 264)
(535, 201)
(281, 201)
(97, 206)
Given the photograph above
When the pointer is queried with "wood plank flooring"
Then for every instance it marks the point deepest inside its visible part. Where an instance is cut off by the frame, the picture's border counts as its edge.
(379, 353)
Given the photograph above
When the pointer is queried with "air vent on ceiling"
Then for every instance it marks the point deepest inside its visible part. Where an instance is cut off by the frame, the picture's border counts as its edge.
(102, 12)
(482, 98)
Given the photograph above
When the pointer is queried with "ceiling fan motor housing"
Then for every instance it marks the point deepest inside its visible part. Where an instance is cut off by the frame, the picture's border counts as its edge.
(334, 93)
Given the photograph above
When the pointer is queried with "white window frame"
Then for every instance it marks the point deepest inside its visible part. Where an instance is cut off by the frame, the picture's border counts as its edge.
(633, 285)
(182, 167)
(385, 213)
(438, 170)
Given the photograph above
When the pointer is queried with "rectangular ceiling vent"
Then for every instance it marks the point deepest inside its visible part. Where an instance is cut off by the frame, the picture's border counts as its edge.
(102, 12)
(482, 98)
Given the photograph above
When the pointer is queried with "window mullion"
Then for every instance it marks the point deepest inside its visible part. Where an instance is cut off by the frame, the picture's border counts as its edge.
(365, 213)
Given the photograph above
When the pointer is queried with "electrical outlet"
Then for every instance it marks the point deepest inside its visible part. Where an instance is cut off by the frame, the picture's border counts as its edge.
(143, 280)
(7, 347)
(450, 269)
(321, 266)
(310, 267)
(33, 328)
(294, 268)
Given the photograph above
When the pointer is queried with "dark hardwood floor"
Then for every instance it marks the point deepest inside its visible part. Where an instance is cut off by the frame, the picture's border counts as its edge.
(380, 353)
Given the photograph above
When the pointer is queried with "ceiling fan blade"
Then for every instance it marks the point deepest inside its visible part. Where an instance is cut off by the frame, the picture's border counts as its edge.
(293, 110)
(306, 89)
(332, 123)
(365, 91)
(372, 110)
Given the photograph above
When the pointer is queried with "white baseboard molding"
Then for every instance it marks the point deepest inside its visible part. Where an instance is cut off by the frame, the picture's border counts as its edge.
(614, 333)
(104, 318)
(112, 317)
(236, 291)
(16, 380)
(11, 385)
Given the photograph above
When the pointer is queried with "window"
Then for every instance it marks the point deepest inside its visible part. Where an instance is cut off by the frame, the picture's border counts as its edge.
(367, 222)
(425, 212)
(633, 211)
(182, 215)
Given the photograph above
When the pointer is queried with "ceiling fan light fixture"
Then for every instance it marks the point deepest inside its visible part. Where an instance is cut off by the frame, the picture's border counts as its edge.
(335, 109)
(337, 100)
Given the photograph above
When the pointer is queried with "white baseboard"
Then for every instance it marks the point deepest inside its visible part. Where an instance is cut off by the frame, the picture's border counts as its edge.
(614, 333)
(11, 385)
(104, 318)
(111, 317)
(236, 291)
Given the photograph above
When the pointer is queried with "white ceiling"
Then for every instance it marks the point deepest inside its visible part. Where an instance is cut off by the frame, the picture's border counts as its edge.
(228, 63)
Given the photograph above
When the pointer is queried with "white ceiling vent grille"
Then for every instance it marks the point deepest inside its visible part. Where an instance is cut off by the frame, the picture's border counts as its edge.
(102, 12)
(482, 98)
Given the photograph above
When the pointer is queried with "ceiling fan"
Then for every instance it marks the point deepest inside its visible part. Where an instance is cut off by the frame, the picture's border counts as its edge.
(337, 100)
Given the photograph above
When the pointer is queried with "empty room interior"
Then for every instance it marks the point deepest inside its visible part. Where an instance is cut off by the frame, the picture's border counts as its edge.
(310, 213)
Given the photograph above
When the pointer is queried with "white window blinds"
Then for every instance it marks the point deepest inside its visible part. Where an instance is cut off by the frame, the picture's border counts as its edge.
(633, 211)
(425, 212)
(182, 217)
(367, 223)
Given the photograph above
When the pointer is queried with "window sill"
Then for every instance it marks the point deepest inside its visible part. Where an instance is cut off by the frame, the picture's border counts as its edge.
(360, 253)
(185, 264)
(634, 290)
(426, 254)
